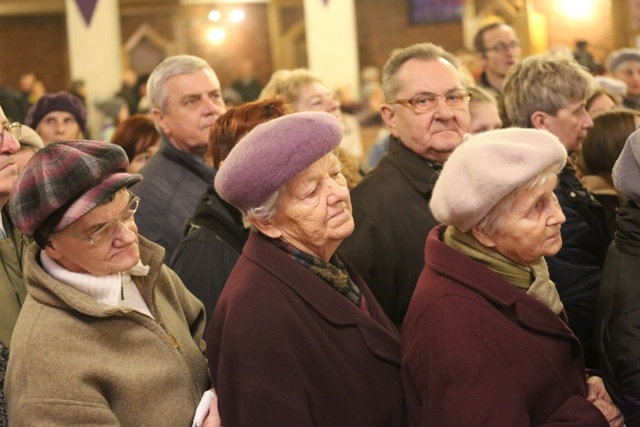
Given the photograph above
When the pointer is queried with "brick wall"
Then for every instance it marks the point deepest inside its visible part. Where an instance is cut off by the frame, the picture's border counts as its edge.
(38, 43)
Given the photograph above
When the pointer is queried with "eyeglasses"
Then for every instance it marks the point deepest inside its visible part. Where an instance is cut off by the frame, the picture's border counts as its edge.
(15, 129)
(427, 101)
(109, 229)
(504, 47)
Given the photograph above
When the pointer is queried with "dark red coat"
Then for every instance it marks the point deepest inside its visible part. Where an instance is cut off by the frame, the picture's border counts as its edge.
(479, 351)
(286, 349)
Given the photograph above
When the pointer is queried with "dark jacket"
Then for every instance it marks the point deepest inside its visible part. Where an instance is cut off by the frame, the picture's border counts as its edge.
(619, 316)
(478, 351)
(204, 259)
(577, 268)
(173, 183)
(286, 349)
(392, 220)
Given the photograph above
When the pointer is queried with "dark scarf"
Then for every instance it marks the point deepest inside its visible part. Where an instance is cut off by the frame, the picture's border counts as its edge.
(333, 272)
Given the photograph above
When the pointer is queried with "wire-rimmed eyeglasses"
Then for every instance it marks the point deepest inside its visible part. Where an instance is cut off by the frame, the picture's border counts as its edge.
(109, 229)
(15, 129)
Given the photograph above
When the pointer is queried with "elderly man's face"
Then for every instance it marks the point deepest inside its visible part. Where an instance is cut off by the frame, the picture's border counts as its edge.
(58, 126)
(432, 135)
(629, 72)
(116, 251)
(531, 227)
(194, 102)
(314, 213)
(8, 167)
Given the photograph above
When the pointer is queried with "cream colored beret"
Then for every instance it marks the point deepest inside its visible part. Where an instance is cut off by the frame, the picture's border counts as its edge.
(487, 167)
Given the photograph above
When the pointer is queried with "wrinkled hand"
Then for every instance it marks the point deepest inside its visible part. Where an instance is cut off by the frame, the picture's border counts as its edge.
(213, 418)
(610, 411)
(597, 390)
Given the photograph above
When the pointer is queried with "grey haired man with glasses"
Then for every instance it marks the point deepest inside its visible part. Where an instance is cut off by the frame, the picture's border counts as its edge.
(427, 113)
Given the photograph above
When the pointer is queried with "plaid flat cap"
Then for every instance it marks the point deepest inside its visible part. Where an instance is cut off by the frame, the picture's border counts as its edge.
(64, 181)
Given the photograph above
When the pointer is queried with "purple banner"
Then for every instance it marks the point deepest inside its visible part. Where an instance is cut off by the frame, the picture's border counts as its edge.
(87, 7)
(326, 2)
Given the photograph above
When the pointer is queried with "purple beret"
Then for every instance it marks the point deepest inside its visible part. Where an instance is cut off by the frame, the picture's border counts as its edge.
(273, 153)
(487, 167)
(61, 101)
(64, 181)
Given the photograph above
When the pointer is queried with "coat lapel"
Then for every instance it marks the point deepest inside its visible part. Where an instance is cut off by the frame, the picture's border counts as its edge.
(513, 302)
(378, 334)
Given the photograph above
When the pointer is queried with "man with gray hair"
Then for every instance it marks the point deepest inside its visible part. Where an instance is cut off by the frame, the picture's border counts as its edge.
(427, 113)
(185, 98)
(549, 92)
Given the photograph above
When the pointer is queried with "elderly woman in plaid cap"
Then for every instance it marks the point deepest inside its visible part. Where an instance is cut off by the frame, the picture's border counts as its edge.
(108, 335)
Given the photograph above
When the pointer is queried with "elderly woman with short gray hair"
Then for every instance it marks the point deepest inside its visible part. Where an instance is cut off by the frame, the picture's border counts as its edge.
(297, 338)
(485, 339)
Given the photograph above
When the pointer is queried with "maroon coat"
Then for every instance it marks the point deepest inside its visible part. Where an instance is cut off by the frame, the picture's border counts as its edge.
(479, 351)
(286, 349)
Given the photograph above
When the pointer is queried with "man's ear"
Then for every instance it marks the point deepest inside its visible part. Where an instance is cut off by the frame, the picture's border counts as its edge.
(539, 120)
(483, 238)
(388, 114)
(158, 118)
(267, 228)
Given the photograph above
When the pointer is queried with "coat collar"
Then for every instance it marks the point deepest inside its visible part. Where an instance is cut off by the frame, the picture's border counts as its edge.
(49, 291)
(421, 173)
(377, 331)
(510, 300)
(191, 162)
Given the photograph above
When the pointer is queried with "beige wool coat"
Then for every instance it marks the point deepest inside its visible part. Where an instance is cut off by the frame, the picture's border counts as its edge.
(76, 362)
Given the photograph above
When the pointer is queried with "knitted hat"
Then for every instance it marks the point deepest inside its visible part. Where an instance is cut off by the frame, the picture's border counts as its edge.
(487, 167)
(64, 181)
(273, 153)
(619, 56)
(61, 101)
(29, 138)
(626, 170)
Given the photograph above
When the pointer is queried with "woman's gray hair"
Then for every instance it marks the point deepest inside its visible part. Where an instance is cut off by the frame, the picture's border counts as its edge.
(171, 67)
(494, 220)
(264, 211)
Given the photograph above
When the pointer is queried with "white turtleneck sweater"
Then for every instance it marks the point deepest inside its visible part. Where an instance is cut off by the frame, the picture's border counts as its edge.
(116, 289)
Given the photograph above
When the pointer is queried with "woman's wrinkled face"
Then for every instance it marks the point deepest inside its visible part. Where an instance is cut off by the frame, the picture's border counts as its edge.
(314, 213)
(117, 251)
(531, 227)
